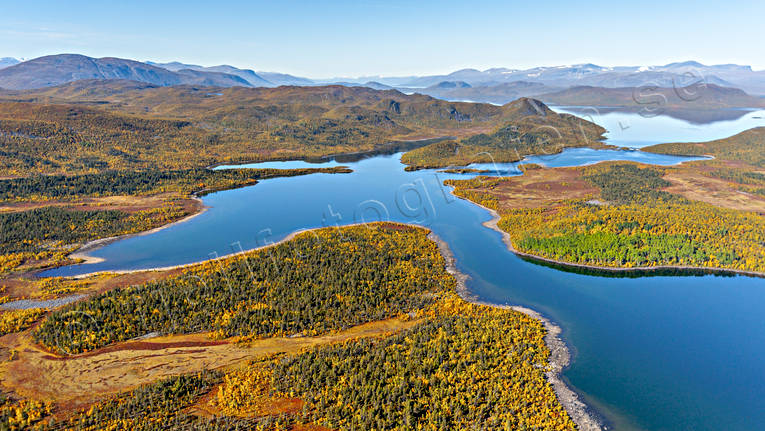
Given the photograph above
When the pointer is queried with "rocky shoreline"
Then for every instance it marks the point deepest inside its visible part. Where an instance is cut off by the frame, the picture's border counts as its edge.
(560, 357)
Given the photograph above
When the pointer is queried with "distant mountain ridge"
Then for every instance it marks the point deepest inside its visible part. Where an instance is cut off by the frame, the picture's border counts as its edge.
(59, 69)
(248, 75)
(673, 75)
(8, 61)
(495, 85)
(286, 79)
(707, 96)
(679, 74)
(500, 94)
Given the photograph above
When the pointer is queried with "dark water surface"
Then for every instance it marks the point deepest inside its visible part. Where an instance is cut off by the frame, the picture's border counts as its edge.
(651, 352)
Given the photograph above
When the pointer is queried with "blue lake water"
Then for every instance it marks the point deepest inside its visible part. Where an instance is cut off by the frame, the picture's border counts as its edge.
(628, 129)
(651, 352)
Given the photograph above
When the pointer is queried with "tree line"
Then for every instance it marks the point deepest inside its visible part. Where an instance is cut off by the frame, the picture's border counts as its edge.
(110, 183)
(318, 282)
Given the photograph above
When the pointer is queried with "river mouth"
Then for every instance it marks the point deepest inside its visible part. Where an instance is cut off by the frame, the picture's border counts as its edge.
(658, 352)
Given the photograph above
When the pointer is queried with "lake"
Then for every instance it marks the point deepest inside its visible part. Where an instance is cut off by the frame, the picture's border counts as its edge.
(651, 352)
(626, 128)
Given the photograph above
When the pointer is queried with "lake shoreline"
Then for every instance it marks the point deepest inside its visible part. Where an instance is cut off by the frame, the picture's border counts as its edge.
(388, 148)
(201, 262)
(82, 255)
(82, 252)
(560, 356)
(584, 416)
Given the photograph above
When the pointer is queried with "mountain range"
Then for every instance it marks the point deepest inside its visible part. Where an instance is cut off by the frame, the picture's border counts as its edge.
(581, 84)
(706, 96)
(252, 78)
(255, 79)
(670, 75)
(55, 70)
(499, 94)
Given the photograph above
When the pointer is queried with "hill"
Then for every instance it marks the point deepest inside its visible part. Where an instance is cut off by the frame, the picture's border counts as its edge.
(451, 85)
(59, 69)
(285, 79)
(702, 96)
(529, 127)
(498, 93)
(746, 147)
(118, 124)
(369, 84)
(251, 77)
(83, 91)
(734, 178)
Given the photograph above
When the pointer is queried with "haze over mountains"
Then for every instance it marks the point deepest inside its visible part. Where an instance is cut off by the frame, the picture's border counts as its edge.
(8, 61)
(255, 79)
(670, 75)
(54, 70)
(584, 84)
(706, 96)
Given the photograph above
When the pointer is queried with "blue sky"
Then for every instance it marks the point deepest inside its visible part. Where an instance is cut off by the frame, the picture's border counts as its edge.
(369, 37)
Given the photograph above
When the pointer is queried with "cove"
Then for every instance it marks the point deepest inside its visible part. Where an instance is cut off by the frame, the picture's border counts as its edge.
(653, 352)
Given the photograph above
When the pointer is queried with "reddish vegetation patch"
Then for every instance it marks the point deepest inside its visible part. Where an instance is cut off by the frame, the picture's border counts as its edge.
(129, 204)
(79, 380)
(283, 405)
(541, 188)
(15, 288)
(24, 287)
(206, 406)
(309, 427)
(694, 183)
(139, 345)
(396, 226)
